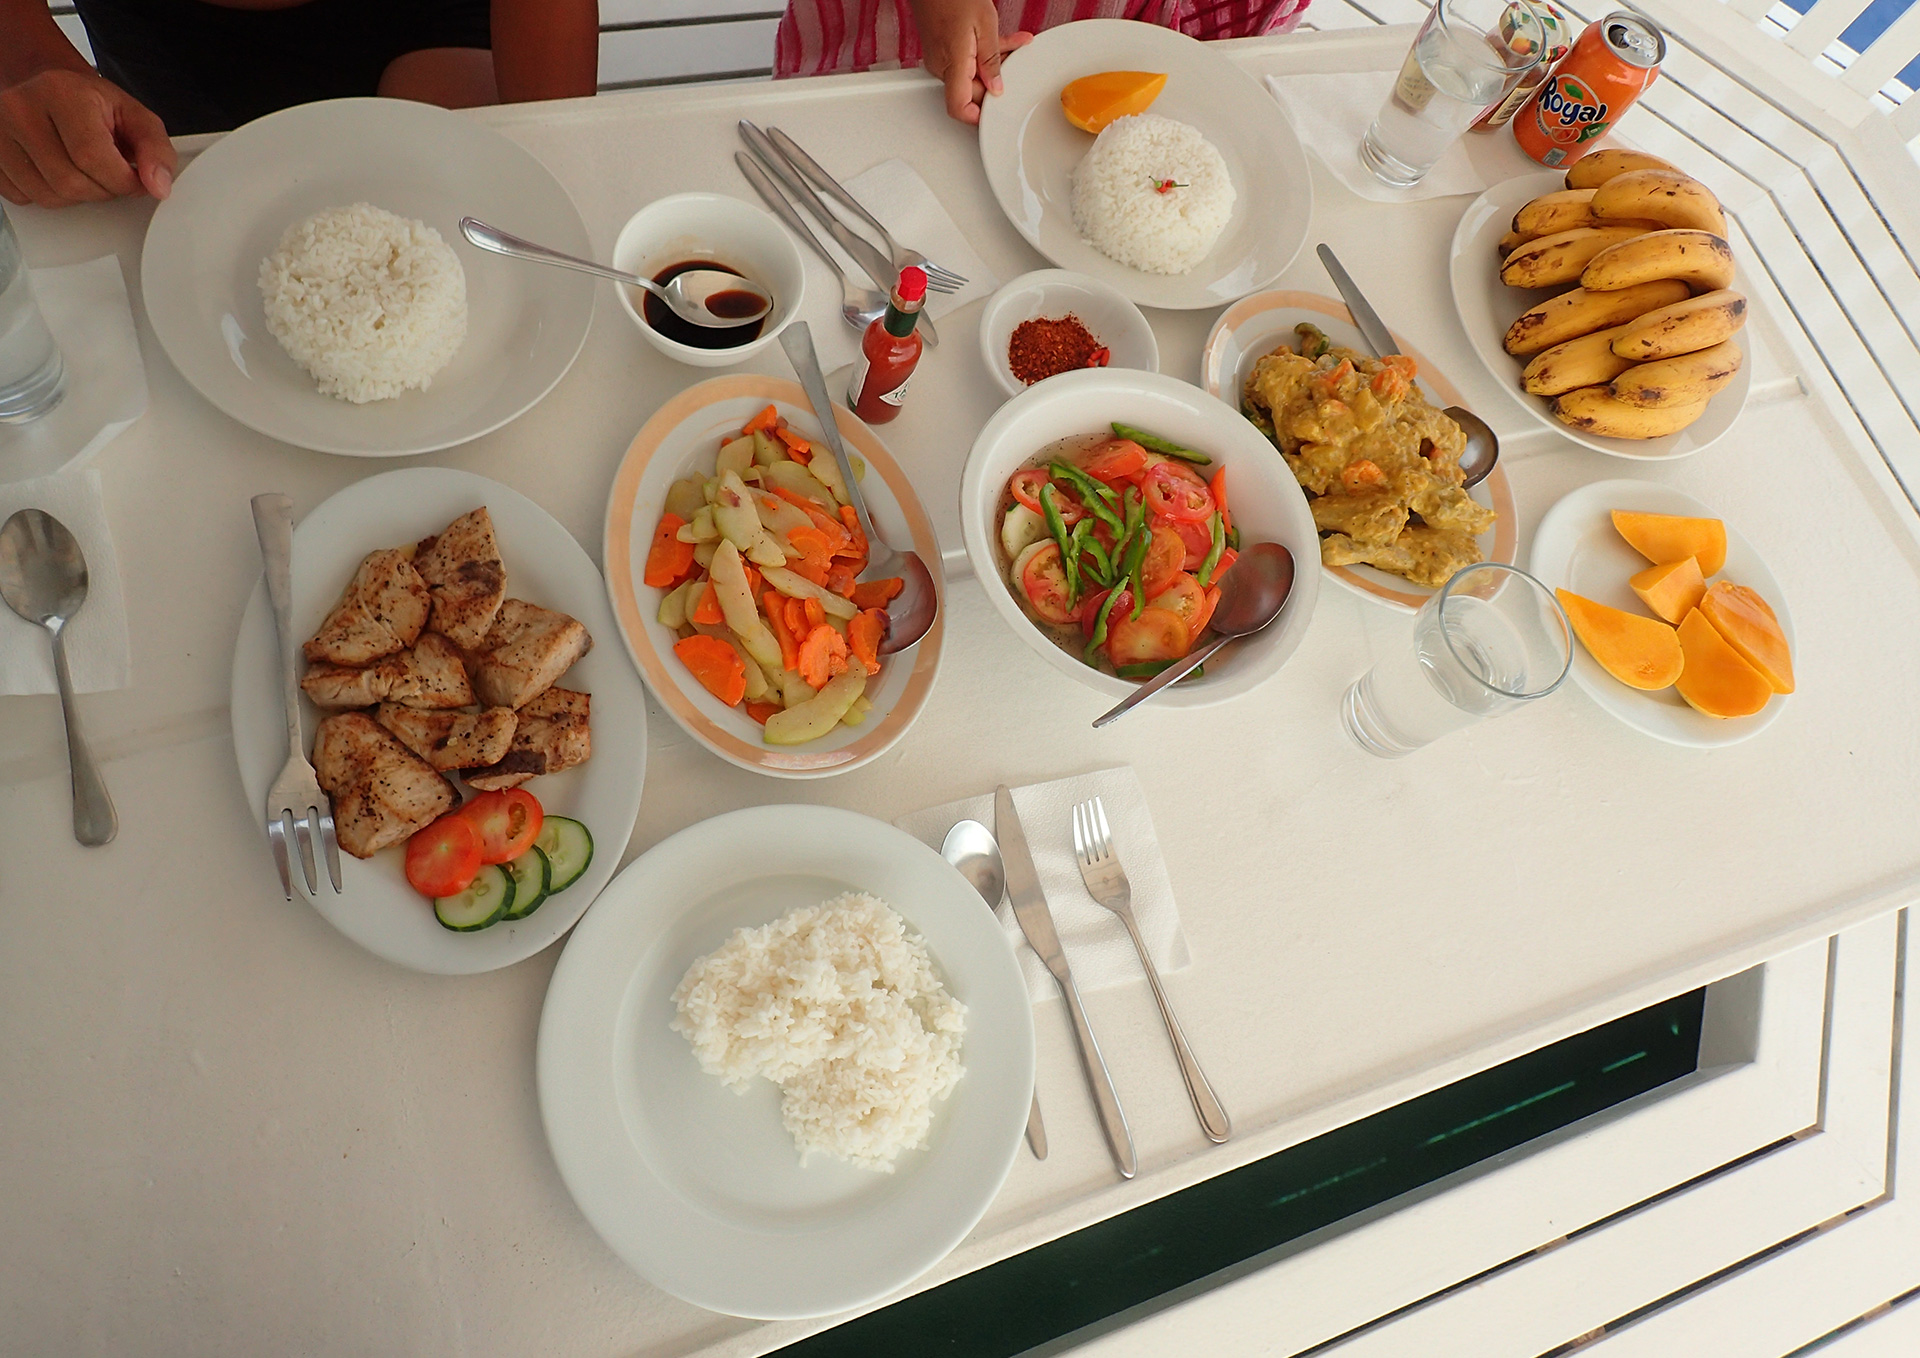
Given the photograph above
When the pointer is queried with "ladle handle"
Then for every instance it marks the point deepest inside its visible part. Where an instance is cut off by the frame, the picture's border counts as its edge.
(1173, 673)
(506, 243)
(1372, 329)
(94, 820)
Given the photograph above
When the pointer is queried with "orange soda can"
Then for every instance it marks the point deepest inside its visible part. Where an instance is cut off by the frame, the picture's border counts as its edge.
(1610, 66)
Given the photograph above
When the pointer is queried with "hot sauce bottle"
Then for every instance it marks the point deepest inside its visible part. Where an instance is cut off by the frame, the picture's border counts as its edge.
(888, 353)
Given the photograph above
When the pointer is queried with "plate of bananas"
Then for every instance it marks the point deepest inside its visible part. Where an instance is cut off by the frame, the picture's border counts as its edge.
(1607, 301)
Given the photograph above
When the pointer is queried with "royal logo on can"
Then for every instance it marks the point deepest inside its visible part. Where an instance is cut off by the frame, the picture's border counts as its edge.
(1569, 112)
(1610, 66)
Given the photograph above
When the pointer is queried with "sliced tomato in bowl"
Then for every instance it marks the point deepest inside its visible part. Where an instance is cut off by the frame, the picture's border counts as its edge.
(1156, 634)
(1026, 487)
(1183, 598)
(1166, 554)
(1173, 492)
(1043, 581)
(506, 823)
(1193, 532)
(444, 858)
(1116, 460)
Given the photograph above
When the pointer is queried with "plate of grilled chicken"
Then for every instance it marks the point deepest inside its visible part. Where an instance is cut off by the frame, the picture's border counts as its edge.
(447, 629)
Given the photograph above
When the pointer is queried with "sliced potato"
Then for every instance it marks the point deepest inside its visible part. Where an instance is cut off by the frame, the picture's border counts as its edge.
(819, 714)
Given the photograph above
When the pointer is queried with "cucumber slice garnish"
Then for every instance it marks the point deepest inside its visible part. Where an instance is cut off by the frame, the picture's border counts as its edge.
(485, 901)
(568, 846)
(531, 874)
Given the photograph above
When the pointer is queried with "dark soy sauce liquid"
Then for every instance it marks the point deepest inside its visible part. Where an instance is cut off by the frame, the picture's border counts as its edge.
(661, 317)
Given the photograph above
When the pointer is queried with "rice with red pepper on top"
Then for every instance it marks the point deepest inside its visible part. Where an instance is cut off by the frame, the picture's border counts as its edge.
(1152, 194)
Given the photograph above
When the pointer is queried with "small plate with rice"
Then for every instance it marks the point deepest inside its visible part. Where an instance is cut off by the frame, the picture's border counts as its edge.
(307, 276)
(1238, 193)
(656, 1069)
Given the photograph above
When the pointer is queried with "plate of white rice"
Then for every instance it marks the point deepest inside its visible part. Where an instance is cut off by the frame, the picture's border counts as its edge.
(307, 276)
(1237, 195)
(785, 1061)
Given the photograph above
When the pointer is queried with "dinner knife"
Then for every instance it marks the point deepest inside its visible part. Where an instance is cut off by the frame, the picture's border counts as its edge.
(1036, 922)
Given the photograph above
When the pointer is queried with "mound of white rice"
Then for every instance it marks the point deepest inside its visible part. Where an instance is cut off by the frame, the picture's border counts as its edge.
(1118, 207)
(838, 1005)
(371, 303)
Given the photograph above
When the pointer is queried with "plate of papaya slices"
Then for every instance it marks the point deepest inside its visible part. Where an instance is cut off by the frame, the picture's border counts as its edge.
(1681, 630)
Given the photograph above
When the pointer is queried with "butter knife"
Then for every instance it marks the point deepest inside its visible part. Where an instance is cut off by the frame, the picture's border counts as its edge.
(1036, 922)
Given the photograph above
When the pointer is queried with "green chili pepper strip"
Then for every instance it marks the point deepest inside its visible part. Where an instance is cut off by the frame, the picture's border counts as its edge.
(1102, 563)
(1080, 540)
(1205, 577)
(1136, 554)
(1233, 539)
(1146, 669)
(1100, 627)
(1097, 498)
(1153, 443)
(1058, 527)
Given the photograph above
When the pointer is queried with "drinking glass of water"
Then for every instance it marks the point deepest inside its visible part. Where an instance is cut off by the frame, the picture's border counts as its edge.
(1493, 639)
(1468, 55)
(32, 376)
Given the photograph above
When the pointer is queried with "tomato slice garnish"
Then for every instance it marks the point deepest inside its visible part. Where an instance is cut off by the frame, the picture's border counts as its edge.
(1090, 610)
(444, 858)
(1115, 460)
(1183, 598)
(1199, 540)
(1155, 635)
(1166, 552)
(506, 822)
(1172, 492)
(1044, 581)
(1026, 487)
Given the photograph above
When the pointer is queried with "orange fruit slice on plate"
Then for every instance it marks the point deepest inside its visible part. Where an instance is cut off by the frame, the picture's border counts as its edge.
(1093, 101)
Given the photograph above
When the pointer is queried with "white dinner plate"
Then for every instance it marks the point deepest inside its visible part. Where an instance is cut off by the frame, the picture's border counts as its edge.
(1487, 307)
(200, 270)
(683, 437)
(1029, 150)
(377, 909)
(699, 1188)
(1254, 326)
(1576, 548)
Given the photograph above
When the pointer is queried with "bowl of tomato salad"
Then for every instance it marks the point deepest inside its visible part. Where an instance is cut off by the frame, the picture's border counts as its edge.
(1103, 508)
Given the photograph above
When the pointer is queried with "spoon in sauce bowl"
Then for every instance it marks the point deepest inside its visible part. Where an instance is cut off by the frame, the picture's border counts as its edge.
(715, 298)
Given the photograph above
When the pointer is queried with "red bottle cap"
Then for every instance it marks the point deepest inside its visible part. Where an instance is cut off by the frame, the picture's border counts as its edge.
(913, 284)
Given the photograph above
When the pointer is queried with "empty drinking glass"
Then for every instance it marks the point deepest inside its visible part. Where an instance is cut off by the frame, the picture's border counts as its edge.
(32, 376)
(1491, 640)
(1468, 54)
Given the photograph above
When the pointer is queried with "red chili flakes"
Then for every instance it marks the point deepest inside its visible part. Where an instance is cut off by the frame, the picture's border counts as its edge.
(1045, 347)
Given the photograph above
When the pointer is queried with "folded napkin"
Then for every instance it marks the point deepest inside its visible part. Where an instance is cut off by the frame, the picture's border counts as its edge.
(85, 306)
(98, 652)
(894, 192)
(1093, 937)
(1331, 113)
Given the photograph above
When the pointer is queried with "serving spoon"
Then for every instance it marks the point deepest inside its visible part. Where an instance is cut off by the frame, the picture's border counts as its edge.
(971, 847)
(1478, 458)
(710, 297)
(911, 612)
(1252, 593)
(43, 578)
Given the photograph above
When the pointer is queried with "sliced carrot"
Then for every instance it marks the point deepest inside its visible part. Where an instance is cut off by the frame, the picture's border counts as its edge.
(668, 557)
(766, 419)
(706, 607)
(816, 613)
(856, 539)
(810, 542)
(798, 448)
(811, 568)
(777, 620)
(1219, 488)
(761, 711)
(797, 621)
(818, 652)
(753, 578)
(865, 630)
(840, 578)
(716, 665)
(877, 593)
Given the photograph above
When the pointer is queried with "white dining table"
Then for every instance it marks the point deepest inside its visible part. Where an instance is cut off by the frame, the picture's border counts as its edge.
(228, 1130)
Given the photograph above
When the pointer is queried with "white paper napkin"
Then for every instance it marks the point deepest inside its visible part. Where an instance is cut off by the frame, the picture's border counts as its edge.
(1093, 937)
(1331, 113)
(894, 192)
(98, 652)
(86, 308)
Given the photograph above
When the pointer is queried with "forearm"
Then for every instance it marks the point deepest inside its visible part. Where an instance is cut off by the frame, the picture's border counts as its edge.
(542, 49)
(31, 42)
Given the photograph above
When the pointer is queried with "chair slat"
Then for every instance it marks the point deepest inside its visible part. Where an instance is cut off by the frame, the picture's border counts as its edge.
(1819, 26)
(1887, 56)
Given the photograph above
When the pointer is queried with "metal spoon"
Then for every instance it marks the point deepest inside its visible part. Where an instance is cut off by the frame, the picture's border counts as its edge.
(913, 609)
(43, 578)
(709, 297)
(971, 847)
(1252, 593)
(1477, 459)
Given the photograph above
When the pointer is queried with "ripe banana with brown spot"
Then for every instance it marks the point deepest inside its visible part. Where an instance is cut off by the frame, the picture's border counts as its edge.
(1700, 259)
(1684, 379)
(1512, 241)
(1556, 260)
(1584, 362)
(1666, 196)
(1591, 171)
(1579, 312)
(1561, 210)
(1680, 327)
(1595, 410)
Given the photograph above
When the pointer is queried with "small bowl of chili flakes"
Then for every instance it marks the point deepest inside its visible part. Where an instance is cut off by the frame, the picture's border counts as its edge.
(1053, 321)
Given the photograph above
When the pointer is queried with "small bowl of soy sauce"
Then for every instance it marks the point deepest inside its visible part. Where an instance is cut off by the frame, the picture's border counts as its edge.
(708, 231)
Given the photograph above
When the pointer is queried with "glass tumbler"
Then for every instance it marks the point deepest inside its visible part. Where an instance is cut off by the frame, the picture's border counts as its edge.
(1491, 640)
(1468, 54)
(32, 376)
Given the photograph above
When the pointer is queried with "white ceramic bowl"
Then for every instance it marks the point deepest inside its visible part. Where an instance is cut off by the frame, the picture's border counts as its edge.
(1267, 507)
(1112, 319)
(727, 230)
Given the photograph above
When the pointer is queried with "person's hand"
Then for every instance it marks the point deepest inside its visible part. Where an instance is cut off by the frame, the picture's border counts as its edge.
(961, 44)
(71, 137)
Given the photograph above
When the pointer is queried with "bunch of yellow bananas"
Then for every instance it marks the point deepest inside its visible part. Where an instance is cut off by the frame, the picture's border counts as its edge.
(1644, 338)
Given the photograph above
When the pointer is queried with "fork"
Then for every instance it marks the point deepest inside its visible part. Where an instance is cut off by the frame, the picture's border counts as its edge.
(297, 809)
(1107, 883)
(938, 278)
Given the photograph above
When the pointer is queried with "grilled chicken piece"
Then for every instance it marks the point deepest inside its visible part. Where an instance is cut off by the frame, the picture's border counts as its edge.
(553, 734)
(430, 674)
(526, 650)
(466, 577)
(382, 792)
(382, 612)
(451, 740)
